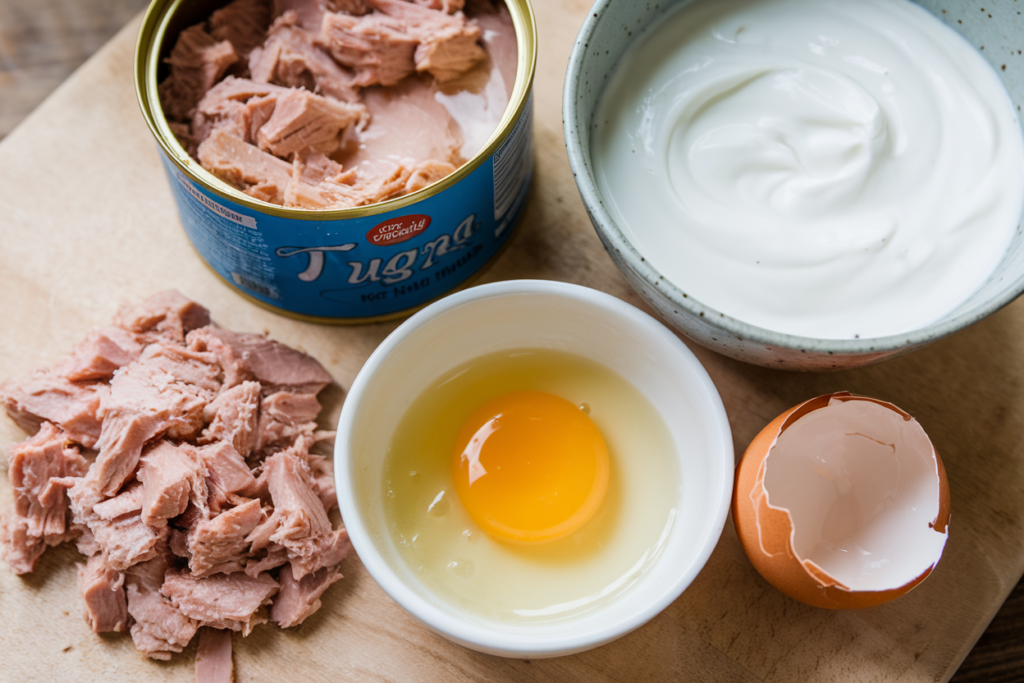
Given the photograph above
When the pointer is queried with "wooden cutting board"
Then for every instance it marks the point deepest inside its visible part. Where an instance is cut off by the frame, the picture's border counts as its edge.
(87, 222)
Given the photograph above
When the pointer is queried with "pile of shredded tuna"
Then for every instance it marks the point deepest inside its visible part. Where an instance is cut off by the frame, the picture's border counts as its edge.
(176, 455)
(289, 111)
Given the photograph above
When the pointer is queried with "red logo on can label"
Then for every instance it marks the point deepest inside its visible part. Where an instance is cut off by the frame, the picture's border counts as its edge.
(399, 229)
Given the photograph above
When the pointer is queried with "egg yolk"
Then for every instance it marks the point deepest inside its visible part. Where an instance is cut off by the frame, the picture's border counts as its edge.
(530, 467)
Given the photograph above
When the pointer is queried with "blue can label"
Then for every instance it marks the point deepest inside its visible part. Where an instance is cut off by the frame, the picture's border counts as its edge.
(368, 266)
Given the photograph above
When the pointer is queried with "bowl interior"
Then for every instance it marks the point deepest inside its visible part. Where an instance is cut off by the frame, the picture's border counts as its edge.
(516, 315)
(609, 30)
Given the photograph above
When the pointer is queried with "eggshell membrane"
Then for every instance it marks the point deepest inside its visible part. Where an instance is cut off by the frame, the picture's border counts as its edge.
(766, 532)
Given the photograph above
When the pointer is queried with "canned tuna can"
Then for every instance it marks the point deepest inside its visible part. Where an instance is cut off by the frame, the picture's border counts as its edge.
(347, 265)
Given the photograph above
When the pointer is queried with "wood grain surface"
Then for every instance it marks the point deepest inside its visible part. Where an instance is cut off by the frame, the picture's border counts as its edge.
(43, 41)
(965, 389)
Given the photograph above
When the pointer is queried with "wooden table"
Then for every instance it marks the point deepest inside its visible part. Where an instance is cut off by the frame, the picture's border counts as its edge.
(43, 41)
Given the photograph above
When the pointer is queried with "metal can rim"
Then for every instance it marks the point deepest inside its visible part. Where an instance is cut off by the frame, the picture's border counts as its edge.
(147, 58)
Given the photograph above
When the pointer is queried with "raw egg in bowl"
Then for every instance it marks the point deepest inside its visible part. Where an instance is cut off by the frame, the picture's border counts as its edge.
(533, 468)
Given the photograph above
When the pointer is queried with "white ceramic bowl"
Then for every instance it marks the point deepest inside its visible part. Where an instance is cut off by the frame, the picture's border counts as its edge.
(537, 314)
(609, 29)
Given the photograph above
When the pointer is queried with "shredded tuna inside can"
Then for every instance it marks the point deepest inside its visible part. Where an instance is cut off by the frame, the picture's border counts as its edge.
(343, 104)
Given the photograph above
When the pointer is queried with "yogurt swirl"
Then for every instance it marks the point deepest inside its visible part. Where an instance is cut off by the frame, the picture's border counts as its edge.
(822, 168)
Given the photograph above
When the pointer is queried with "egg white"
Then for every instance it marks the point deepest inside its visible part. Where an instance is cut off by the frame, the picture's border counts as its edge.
(462, 565)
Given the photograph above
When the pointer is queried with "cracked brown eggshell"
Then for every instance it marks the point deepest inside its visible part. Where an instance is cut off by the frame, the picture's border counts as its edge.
(889, 512)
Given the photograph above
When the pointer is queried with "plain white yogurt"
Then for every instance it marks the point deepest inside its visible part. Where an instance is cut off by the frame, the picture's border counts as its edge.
(823, 168)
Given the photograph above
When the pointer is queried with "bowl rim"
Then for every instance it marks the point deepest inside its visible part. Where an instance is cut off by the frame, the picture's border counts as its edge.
(624, 252)
(479, 635)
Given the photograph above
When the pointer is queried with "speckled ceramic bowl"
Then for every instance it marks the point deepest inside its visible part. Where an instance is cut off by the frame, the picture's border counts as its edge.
(610, 28)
